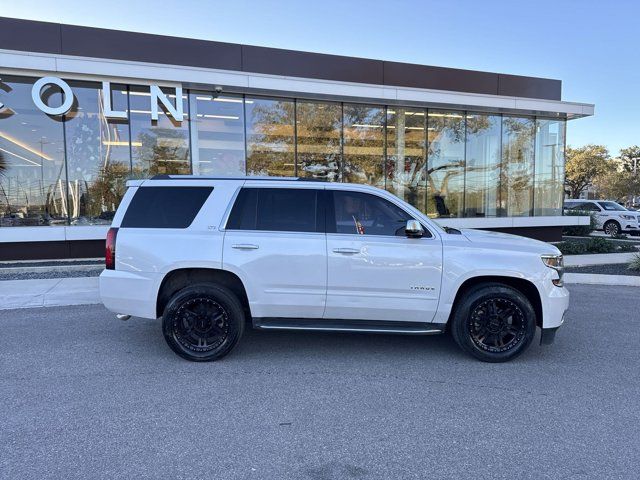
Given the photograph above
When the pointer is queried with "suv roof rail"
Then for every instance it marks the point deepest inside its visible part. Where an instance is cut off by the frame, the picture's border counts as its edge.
(164, 176)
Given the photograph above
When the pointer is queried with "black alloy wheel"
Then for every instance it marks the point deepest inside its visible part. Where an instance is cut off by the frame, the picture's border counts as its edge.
(200, 325)
(493, 322)
(203, 322)
(497, 325)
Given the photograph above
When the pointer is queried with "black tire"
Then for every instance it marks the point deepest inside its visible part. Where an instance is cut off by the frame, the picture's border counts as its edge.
(493, 322)
(612, 228)
(203, 322)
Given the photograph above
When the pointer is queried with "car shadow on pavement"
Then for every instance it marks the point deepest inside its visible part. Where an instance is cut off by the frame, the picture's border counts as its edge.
(286, 347)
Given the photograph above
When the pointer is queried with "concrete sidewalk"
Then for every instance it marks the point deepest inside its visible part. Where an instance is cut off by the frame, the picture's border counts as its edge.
(48, 292)
(597, 259)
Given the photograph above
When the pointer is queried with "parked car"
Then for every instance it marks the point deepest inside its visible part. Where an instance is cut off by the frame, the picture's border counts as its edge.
(209, 254)
(611, 217)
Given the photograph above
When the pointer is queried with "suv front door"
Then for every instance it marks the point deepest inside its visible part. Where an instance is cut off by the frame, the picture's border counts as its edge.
(375, 272)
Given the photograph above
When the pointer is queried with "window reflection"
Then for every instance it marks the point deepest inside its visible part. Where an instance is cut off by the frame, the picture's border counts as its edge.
(516, 175)
(98, 155)
(363, 144)
(445, 168)
(162, 146)
(406, 153)
(32, 176)
(270, 137)
(319, 131)
(549, 168)
(482, 175)
(218, 140)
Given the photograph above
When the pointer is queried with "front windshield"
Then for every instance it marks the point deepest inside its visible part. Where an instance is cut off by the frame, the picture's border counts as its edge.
(612, 206)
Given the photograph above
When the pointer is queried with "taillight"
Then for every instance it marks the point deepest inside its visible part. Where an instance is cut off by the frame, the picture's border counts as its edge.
(110, 252)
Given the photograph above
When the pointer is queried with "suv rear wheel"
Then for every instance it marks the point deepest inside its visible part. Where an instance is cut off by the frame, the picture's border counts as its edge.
(493, 322)
(203, 322)
(612, 228)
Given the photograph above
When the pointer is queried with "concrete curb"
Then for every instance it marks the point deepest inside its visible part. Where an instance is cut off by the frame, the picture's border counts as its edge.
(601, 279)
(48, 292)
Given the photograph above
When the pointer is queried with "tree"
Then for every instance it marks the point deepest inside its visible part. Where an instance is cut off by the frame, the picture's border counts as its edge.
(618, 186)
(583, 165)
(627, 155)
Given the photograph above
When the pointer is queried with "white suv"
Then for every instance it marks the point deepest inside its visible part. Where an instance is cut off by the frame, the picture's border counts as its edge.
(209, 254)
(611, 217)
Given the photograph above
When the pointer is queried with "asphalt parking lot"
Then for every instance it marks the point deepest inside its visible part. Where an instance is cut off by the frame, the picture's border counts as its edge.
(87, 396)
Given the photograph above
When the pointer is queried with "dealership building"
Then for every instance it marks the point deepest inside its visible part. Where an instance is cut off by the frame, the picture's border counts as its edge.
(82, 110)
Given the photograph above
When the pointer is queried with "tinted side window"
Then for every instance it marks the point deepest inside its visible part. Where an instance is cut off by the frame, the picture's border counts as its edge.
(365, 214)
(581, 206)
(277, 210)
(165, 207)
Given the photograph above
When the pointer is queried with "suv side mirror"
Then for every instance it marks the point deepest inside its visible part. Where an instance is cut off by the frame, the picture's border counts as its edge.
(413, 229)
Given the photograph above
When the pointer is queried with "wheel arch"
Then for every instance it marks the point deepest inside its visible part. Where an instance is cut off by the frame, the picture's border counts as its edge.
(177, 279)
(527, 288)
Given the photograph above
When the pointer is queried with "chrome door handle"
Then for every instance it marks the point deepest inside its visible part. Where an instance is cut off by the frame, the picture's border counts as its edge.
(245, 246)
(346, 251)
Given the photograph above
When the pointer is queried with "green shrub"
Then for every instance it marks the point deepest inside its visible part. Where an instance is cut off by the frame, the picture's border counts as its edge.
(635, 263)
(572, 248)
(579, 230)
(627, 247)
(600, 245)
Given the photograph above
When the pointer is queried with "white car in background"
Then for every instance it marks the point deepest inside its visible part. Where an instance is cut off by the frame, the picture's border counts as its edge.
(611, 217)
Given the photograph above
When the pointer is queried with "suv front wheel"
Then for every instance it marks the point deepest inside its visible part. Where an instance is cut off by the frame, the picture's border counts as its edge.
(493, 322)
(203, 322)
(612, 228)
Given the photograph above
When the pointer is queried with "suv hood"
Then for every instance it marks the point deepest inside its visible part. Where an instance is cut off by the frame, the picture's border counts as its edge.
(507, 241)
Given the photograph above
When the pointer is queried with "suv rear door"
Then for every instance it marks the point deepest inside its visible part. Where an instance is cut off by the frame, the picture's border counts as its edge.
(275, 242)
(374, 271)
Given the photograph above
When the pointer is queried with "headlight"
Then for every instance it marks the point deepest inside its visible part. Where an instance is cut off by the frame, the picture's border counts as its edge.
(557, 263)
(628, 217)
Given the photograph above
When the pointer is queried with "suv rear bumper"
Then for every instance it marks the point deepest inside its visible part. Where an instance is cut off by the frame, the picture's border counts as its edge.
(131, 293)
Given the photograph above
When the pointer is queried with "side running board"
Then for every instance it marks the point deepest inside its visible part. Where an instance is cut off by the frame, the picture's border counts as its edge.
(329, 325)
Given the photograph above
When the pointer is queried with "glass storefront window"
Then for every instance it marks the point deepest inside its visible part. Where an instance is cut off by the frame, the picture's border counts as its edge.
(32, 172)
(217, 125)
(482, 172)
(516, 174)
(98, 154)
(270, 136)
(445, 165)
(549, 168)
(405, 168)
(162, 146)
(363, 144)
(319, 138)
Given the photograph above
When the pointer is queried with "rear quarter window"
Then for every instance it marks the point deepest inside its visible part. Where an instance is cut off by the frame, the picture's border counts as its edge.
(165, 207)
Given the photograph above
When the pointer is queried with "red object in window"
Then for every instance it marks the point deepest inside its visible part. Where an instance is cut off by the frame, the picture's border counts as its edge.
(110, 252)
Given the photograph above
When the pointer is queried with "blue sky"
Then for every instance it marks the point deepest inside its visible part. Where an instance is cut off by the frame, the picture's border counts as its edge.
(593, 47)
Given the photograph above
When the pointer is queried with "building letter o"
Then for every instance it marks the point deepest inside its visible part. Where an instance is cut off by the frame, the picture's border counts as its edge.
(66, 93)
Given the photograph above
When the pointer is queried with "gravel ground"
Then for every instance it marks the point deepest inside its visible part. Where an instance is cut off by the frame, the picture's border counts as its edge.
(52, 263)
(611, 269)
(31, 275)
(30, 270)
(85, 396)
